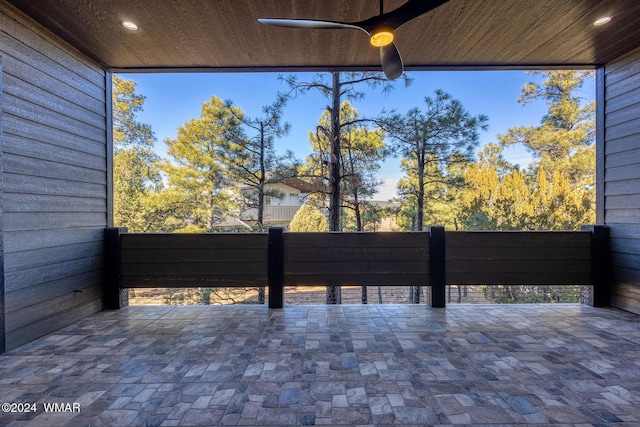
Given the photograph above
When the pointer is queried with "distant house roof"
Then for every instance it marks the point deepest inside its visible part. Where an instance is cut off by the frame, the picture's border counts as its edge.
(385, 204)
(232, 222)
(299, 184)
(305, 186)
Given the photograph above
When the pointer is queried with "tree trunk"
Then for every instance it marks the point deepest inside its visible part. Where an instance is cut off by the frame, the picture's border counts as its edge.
(333, 293)
(260, 219)
(420, 201)
(416, 290)
(262, 178)
(334, 169)
(260, 205)
(359, 225)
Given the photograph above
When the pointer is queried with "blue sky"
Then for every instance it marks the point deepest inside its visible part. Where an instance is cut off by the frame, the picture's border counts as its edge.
(173, 99)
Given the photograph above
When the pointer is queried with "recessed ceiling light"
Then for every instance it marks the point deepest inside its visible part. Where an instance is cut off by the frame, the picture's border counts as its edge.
(131, 26)
(602, 21)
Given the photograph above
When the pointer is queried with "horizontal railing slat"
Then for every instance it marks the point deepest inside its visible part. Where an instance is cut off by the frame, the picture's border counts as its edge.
(355, 267)
(356, 240)
(206, 255)
(220, 241)
(177, 269)
(518, 238)
(515, 253)
(342, 254)
(357, 279)
(517, 266)
(500, 278)
(218, 281)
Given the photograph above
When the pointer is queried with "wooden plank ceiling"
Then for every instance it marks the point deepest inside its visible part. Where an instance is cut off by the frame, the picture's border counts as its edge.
(225, 34)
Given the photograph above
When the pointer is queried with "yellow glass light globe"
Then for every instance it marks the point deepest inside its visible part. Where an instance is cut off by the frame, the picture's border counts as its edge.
(381, 37)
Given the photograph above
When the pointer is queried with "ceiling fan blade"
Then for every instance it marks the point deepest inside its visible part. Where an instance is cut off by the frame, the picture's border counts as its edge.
(391, 61)
(309, 24)
(397, 17)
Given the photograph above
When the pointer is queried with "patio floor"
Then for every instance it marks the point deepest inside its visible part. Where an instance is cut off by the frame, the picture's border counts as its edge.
(349, 364)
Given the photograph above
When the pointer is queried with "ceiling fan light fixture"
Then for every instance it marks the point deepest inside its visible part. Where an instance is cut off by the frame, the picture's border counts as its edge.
(380, 29)
(381, 36)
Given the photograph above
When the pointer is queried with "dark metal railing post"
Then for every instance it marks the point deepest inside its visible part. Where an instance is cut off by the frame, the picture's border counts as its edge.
(599, 264)
(114, 296)
(276, 267)
(437, 266)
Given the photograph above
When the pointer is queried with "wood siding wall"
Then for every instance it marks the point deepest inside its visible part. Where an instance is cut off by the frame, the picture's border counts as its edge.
(2, 310)
(621, 203)
(54, 180)
(518, 258)
(207, 260)
(356, 259)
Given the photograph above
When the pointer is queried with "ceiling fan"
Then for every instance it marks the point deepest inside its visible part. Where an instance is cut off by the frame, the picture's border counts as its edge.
(379, 28)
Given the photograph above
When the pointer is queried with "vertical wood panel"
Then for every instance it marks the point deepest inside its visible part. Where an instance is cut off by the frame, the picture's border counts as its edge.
(109, 146)
(54, 179)
(276, 267)
(600, 146)
(2, 307)
(621, 160)
(114, 296)
(437, 265)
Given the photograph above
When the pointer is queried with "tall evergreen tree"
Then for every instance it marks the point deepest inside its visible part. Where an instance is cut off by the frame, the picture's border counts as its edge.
(252, 160)
(135, 172)
(557, 191)
(199, 189)
(564, 141)
(342, 85)
(429, 143)
(361, 151)
(432, 144)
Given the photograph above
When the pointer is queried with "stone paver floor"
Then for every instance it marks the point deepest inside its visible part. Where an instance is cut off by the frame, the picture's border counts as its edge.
(332, 365)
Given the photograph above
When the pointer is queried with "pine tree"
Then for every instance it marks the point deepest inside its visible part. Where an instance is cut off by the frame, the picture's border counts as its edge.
(200, 195)
(362, 150)
(563, 144)
(430, 143)
(556, 192)
(135, 173)
(252, 160)
(342, 86)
